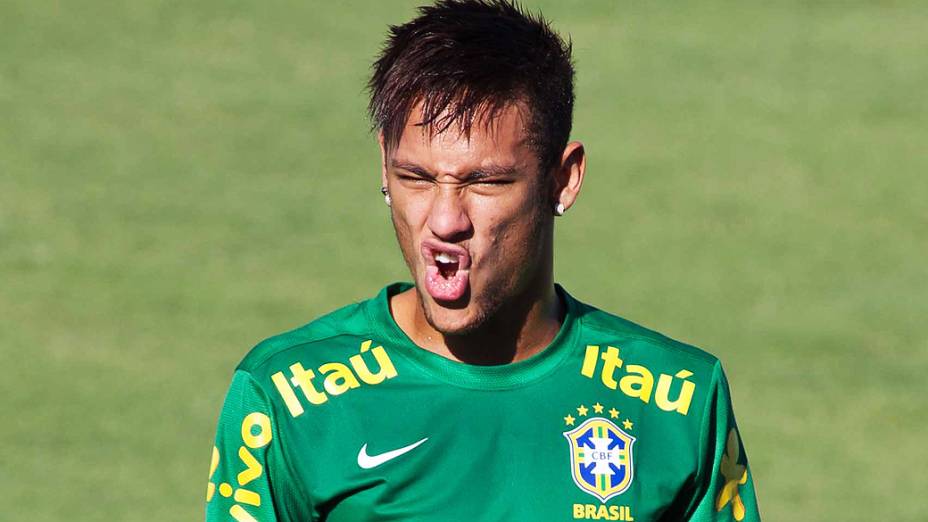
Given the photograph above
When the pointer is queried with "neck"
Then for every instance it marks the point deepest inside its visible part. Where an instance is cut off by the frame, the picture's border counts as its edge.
(518, 330)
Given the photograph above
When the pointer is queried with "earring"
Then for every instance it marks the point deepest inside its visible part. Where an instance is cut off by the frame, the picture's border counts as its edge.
(386, 196)
(559, 209)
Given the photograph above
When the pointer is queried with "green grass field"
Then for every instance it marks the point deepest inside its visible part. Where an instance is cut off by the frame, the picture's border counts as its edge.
(179, 180)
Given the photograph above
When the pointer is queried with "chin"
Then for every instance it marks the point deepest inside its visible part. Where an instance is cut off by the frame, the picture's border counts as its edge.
(453, 321)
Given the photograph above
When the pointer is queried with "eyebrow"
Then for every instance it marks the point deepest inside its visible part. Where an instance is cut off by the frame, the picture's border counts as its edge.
(488, 171)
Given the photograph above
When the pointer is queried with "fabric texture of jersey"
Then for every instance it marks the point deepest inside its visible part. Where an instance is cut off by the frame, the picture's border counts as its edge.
(345, 419)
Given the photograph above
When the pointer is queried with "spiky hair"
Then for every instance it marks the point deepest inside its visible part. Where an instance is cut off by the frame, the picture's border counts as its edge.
(467, 60)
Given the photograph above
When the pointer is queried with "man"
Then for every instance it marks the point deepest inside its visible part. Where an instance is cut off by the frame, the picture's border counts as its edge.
(483, 391)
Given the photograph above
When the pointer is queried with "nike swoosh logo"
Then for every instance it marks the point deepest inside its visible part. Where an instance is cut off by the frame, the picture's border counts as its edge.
(367, 461)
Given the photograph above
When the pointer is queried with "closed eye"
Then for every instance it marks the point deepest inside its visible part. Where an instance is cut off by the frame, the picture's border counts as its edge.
(491, 182)
(413, 179)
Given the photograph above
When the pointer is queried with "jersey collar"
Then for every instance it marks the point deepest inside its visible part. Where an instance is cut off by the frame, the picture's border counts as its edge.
(512, 375)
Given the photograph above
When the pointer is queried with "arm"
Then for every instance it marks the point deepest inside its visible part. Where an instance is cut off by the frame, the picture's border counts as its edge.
(725, 484)
(246, 458)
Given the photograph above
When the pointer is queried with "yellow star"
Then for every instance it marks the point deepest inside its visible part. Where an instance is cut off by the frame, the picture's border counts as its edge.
(735, 474)
(614, 413)
(582, 410)
(598, 408)
(569, 420)
(628, 424)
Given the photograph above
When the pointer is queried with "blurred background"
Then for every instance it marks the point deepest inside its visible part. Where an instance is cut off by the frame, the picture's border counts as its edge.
(179, 180)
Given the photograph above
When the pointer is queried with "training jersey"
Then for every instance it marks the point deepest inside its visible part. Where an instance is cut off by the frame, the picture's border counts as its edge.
(346, 419)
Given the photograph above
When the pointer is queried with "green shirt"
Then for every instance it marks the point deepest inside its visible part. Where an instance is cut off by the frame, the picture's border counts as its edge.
(345, 419)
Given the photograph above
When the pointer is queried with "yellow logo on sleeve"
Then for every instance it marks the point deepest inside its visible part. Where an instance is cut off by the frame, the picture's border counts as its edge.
(256, 434)
(735, 475)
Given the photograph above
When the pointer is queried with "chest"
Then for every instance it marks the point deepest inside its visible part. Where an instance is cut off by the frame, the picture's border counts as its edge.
(426, 451)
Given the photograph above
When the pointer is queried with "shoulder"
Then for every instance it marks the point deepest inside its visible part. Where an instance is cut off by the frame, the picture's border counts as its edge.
(322, 339)
(639, 343)
(644, 364)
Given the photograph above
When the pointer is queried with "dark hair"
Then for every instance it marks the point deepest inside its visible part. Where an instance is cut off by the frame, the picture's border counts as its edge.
(474, 58)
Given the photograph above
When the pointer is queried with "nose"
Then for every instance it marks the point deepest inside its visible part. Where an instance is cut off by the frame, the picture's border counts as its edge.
(449, 219)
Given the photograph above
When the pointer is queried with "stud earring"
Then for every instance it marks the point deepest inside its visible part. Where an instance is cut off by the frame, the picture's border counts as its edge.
(386, 196)
(559, 209)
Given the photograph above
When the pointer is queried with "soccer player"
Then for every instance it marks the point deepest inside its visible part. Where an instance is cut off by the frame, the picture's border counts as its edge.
(482, 390)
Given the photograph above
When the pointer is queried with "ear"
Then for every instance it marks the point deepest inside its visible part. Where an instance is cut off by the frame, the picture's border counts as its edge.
(383, 160)
(568, 176)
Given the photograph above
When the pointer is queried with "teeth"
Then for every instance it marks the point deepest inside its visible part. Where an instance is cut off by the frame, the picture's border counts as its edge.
(445, 258)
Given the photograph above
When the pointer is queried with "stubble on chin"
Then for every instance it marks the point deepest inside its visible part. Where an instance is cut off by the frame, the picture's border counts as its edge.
(480, 317)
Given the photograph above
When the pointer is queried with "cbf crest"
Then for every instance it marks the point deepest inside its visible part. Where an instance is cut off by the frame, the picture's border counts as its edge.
(601, 457)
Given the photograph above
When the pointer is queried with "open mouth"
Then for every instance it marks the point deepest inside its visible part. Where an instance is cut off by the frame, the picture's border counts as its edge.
(447, 264)
(447, 270)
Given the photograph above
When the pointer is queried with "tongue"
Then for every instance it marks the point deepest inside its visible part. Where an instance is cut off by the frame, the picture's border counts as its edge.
(449, 288)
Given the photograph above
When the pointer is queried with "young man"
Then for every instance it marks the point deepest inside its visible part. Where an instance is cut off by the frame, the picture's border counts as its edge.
(483, 391)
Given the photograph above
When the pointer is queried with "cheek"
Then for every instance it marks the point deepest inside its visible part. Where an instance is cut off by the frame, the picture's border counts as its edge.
(491, 222)
(407, 218)
(404, 234)
(511, 231)
(412, 212)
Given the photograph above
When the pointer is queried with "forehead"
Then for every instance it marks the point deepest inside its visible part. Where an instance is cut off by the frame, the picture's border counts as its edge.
(500, 139)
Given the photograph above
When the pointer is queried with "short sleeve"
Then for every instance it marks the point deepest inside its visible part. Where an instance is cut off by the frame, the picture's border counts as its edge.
(725, 488)
(246, 459)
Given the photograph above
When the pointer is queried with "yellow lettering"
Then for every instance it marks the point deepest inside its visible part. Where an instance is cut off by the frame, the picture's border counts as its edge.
(337, 378)
(286, 392)
(213, 464)
(335, 372)
(682, 404)
(240, 515)
(589, 362)
(385, 371)
(612, 361)
(578, 510)
(253, 468)
(303, 379)
(247, 497)
(263, 423)
(602, 512)
(638, 383)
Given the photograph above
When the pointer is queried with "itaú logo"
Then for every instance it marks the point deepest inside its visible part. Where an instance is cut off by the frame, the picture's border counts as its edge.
(337, 378)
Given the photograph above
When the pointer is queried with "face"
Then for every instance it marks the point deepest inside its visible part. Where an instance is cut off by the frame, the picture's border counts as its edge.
(472, 216)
